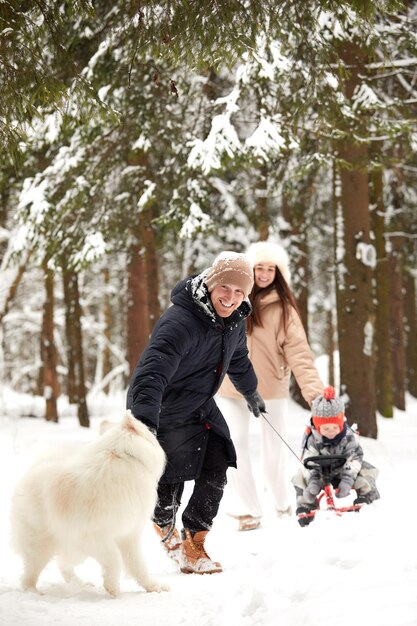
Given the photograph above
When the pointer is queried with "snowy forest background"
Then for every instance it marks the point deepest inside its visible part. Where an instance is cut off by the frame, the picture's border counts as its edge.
(141, 138)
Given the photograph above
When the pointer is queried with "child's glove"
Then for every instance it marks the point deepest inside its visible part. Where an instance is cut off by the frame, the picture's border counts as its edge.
(344, 488)
(315, 485)
(255, 404)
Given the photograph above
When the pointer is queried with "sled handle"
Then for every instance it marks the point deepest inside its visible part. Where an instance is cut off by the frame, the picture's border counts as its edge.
(327, 463)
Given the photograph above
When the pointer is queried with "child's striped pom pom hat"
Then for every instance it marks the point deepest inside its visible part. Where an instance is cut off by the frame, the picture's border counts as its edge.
(328, 409)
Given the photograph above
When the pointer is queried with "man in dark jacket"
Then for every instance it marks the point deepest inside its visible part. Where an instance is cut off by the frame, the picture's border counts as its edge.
(194, 343)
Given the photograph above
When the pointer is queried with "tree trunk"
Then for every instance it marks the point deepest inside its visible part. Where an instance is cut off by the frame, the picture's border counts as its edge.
(14, 277)
(103, 360)
(356, 314)
(138, 327)
(356, 321)
(49, 356)
(69, 331)
(397, 329)
(75, 355)
(383, 366)
(149, 270)
(107, 319)
(331, 347)
(263, 220)
(8, 175)
(397, 306)
(151, 265)
(338, 234)
(411, 331)
(294, 214)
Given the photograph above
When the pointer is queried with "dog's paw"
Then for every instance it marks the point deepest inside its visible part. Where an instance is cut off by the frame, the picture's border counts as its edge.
(33, 589)
(154, 585)
(29, 585)
(113, 591)
(86, 584)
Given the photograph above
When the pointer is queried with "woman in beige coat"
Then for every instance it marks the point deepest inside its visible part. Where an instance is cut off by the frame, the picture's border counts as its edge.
(277, 345)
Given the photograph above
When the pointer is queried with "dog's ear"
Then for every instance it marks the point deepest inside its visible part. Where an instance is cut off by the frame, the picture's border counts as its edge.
(130, 423)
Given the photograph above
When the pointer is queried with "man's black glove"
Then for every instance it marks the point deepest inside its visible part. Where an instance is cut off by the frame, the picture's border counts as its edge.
(255, 404)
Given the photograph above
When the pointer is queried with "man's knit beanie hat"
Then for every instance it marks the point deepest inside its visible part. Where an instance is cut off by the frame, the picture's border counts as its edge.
(230, 268)
(328, 409)
(268, 252)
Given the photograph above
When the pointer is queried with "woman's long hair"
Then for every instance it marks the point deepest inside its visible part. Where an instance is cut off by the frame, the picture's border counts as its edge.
(285, 295)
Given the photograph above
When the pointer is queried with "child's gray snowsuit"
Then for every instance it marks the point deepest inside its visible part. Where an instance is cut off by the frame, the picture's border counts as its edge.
(355, 473)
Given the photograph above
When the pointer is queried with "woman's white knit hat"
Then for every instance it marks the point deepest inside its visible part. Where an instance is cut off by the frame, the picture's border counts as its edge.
(268, 252)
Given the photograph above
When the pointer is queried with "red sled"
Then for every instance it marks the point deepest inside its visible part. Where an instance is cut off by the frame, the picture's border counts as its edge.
(327, 465)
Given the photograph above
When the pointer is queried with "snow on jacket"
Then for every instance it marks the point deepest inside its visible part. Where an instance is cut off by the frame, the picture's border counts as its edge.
(181, 369)
(348, 446)
(275, 353)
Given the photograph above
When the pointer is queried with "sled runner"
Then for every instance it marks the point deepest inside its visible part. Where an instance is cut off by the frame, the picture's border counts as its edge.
(327, 465)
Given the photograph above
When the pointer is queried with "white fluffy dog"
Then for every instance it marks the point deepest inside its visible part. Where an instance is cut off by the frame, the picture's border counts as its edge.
(92, 501)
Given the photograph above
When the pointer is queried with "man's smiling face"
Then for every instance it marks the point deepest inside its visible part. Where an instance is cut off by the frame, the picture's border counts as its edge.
(226, 299)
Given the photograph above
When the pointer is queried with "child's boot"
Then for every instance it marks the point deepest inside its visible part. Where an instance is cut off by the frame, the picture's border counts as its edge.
(362, 500)
(305, 519)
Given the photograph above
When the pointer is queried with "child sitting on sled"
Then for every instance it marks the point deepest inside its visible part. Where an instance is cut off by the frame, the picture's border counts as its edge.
(330, 433)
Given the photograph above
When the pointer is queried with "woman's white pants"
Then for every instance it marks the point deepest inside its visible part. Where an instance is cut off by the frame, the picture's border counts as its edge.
(242, 492)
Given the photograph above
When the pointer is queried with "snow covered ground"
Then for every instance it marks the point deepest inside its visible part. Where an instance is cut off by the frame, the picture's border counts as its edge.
(357, 569)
